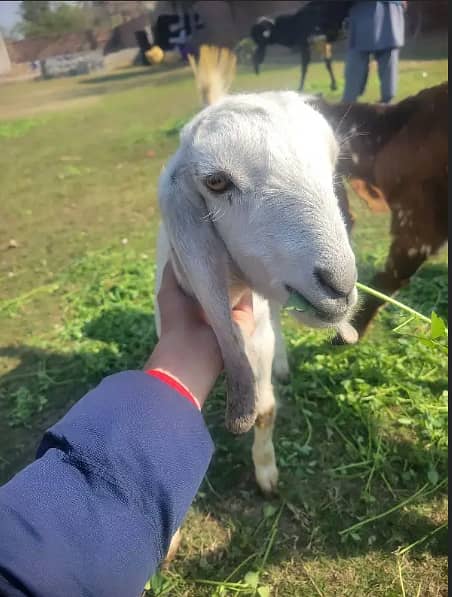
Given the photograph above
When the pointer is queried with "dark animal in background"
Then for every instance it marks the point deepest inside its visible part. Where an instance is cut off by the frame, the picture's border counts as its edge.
(174, 30)
(398, 155)
(300, 30)
(144, 44)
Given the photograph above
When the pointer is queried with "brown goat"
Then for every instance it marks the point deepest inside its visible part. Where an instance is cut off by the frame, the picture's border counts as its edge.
(397, 155)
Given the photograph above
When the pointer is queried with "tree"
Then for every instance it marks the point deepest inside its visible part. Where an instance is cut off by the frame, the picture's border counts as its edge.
(4, 32)
(111, 13)
(33, 11)
(51, 18)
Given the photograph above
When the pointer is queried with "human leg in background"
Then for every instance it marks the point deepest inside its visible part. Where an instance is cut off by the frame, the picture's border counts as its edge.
(356, 69)
(388, 72)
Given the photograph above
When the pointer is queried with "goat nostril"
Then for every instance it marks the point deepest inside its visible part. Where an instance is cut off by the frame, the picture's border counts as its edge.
(341, 287)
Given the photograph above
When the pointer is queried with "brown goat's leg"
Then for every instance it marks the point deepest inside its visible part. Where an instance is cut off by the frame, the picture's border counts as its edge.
(344, 204)
(408, 252)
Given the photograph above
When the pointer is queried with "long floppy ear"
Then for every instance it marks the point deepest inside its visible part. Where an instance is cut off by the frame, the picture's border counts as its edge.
(204, 261)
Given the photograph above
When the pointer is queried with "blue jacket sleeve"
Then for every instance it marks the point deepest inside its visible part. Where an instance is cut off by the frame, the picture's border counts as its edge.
(95, 513)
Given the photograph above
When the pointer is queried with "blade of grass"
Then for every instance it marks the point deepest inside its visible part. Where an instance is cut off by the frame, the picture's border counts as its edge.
(398, 506)
(344, 467)
(402, 584)
(23, 298)
(313, 583)
(240, 566)
(388, 485)
(403, 324)
(373, 469)
(271, 540)
(389, 299)
(212, 488)
(408, 548)
(232, 586)
(436, 487)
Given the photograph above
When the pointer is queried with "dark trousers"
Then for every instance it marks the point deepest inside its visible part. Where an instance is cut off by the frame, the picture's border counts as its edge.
(357, 70)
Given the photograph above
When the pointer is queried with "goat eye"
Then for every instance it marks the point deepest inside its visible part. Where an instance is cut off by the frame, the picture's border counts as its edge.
(217, 182)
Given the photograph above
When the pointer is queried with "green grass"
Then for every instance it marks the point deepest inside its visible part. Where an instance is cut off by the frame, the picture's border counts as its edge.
(361, 436)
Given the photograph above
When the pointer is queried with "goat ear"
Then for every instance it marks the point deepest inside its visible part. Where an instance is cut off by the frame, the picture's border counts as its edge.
(202, 265)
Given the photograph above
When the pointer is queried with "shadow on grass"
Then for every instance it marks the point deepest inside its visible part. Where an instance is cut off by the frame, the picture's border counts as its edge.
(154, 76)
(117, 77)
(320, 499)
(126, 81)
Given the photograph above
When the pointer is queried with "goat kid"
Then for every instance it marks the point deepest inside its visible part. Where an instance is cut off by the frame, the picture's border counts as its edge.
(248, 201)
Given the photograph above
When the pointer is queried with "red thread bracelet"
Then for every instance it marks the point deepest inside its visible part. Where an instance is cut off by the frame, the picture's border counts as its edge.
(172, 382)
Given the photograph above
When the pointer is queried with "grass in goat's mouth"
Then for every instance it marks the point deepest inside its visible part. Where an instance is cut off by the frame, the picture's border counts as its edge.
(297, 302)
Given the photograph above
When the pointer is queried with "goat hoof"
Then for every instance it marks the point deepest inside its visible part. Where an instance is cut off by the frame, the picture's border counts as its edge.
(267, 479)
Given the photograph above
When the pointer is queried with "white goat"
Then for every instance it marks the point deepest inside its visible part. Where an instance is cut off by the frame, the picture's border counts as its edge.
(248, 201)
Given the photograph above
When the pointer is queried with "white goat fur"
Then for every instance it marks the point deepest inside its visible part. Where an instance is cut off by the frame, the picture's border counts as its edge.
(276, 225)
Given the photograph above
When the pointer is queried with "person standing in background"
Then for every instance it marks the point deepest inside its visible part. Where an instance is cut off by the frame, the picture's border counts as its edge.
(378, 28)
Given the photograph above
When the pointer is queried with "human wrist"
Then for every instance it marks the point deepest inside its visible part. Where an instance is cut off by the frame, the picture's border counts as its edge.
(195, 366)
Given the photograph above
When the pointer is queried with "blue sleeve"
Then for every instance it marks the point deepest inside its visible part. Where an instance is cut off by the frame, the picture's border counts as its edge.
(95, 513)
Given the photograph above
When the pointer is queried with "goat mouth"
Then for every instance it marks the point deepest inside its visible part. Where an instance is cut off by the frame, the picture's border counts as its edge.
(299, 303)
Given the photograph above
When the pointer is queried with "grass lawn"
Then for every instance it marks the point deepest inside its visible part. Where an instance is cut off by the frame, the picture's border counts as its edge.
(361, 430)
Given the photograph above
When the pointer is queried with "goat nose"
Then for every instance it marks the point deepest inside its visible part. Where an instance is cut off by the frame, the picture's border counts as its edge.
(338, 283)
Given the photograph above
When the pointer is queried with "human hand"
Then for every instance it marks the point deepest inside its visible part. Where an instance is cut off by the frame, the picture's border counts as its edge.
(188, 348)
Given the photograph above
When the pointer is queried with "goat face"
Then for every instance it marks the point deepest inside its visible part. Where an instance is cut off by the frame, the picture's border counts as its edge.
(258, 170)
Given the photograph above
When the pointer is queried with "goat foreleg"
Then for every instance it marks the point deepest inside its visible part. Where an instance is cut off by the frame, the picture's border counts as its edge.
(329, 66)
(305, 60)
(263, 450)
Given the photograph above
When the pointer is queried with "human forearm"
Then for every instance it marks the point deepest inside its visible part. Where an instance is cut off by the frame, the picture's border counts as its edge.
(113, 481)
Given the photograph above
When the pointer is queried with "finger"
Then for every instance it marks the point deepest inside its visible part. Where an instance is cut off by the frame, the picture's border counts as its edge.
(173, 300)
(169, 280)
(243, 314)
(245, 303)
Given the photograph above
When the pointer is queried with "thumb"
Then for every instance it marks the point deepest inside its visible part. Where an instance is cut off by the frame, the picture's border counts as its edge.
(243, 314)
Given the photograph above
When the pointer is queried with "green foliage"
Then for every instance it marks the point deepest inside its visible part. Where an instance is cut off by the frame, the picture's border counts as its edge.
(50, 18)
(18, 128)
(24, 405)
(159, 585)
(174, 127)
(34, 10)
(438, 327)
